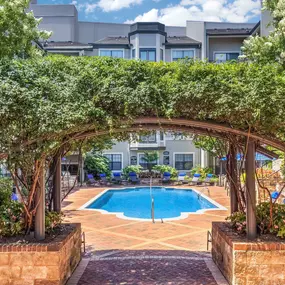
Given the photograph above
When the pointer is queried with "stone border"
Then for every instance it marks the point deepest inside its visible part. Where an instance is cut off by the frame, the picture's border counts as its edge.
(77, 274)
(183, 215)
(55, 245)
(240, 243)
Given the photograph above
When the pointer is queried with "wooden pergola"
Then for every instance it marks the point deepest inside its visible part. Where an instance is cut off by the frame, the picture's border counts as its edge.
(253, 141)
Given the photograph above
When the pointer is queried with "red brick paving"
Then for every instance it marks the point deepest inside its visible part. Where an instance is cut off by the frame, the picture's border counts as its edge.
(148, 268)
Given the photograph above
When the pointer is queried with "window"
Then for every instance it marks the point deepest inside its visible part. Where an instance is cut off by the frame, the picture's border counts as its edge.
(181, 54)
(133, 53)
(161, 54)
(133, 160)
(222, 56)
(148, 139)
(148, 54)
(166, 158)
(145, 164)
(161, 136)
(115, 161)
(112, 53)
(183, 161)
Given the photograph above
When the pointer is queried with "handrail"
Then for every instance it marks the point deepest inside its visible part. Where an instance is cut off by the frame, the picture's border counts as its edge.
(152, 210)
(209, 239)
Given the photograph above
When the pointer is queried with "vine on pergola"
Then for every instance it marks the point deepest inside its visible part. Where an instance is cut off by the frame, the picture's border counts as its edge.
(46, 103)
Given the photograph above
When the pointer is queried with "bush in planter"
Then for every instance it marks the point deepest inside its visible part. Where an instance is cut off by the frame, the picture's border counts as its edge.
(277, 228)
(11, 212)
(166, 168)
(53, 220)
(132, 168)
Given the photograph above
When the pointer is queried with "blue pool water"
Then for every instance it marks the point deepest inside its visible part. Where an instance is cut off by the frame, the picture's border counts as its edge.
(136, 202)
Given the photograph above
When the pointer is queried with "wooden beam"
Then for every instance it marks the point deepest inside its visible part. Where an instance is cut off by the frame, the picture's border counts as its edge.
(250, 191)
(40, 213)
(57, 185)
(233, 173)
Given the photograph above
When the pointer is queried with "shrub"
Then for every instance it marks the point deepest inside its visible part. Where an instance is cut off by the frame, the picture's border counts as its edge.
(96, 164)
(11, 212)
(201, 170)
(238, 220)
(166, 168)
(53, 220)
(131, 168)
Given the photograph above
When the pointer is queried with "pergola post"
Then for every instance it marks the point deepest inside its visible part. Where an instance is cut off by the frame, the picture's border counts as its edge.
(40, 213)
(57, 185)
(233, 178)
(250, 191)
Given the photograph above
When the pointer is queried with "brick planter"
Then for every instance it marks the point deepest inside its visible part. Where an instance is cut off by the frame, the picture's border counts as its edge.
(243, 262)
(41, 264)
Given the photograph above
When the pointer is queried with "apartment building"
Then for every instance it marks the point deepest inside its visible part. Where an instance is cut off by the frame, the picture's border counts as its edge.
(152, 41)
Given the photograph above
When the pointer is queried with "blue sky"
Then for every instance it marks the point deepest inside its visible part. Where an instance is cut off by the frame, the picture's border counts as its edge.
(169, 12)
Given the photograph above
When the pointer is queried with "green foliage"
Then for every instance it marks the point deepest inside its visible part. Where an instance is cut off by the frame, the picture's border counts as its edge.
(95, 164)
(150, 157)
(53, 221)
(166, 168)
(201, 170)
(18, 29)
(238, 219)
(270, 48)
(11, 212)
(215, 146)
(131, 168)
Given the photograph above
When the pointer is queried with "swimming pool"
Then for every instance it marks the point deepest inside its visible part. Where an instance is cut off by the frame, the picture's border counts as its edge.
(135, 203)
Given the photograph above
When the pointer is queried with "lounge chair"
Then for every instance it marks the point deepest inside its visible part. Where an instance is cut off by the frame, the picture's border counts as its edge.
(103, 178)
(91, 180)
(196, 179)
(181, 178)
(117, 177)
(133, 178)
(208, 179)
(166, 177)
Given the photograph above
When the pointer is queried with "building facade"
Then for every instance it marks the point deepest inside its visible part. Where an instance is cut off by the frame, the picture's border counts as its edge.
(152, 41)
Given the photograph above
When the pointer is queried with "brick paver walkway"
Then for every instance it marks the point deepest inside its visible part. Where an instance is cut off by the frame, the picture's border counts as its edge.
(147, 268)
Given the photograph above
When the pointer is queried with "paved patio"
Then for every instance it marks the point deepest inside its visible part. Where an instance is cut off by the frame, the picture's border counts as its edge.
(127, 252)
(106, 231)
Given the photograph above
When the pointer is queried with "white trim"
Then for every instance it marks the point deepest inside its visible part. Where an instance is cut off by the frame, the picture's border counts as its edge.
(184, 152)
(111, 49)
(182, 49)
(214, 53)
(122, 154)
(183, 215)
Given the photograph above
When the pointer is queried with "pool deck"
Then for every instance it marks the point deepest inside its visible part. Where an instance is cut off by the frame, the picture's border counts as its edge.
(108, 232)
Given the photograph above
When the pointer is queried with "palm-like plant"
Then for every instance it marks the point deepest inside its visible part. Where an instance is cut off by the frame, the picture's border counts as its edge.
(149, 158)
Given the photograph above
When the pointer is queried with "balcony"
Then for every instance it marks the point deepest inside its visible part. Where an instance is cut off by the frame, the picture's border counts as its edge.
(150, 142)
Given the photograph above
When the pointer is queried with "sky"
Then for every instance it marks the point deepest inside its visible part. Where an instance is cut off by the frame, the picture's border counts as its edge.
(169, 12)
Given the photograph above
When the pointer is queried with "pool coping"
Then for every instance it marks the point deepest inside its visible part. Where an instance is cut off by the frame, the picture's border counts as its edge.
(183, 215)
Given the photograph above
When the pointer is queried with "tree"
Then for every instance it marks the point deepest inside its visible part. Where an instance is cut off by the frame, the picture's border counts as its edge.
(270, 48)
(149, 157)
(18, 29)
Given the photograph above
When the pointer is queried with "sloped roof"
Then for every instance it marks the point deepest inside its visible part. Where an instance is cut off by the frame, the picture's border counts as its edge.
(181, 40)
(113, 40)
(229, 31)
(65, 45)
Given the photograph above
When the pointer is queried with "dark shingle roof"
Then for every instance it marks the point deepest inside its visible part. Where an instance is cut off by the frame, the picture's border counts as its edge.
(113, 41)
(181, 41)
(53, 44)
(231, 32)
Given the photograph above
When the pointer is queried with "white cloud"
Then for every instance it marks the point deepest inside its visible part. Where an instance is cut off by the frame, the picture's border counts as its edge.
(202, 10)
(115, 5)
